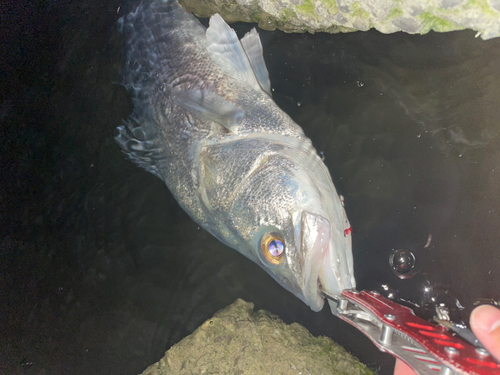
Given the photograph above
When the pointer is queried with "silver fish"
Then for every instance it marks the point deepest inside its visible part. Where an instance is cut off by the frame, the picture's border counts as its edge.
(205, 123)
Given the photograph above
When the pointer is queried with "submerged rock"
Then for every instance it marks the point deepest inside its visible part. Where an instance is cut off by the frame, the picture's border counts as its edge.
(333, 16)
(239, 341)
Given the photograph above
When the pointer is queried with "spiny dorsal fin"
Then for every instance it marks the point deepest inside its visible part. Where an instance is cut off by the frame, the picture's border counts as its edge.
(223, 43)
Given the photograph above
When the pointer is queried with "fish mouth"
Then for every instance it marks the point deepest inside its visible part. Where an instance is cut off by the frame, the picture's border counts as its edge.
(326, 260)
(315, 250)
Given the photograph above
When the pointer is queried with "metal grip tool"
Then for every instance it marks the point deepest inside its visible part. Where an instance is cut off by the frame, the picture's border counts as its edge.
(426, 347)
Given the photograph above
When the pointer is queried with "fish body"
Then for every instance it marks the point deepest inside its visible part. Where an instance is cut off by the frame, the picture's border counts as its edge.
(205, 123)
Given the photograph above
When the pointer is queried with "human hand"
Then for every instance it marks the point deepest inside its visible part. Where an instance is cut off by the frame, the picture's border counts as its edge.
(485, 323)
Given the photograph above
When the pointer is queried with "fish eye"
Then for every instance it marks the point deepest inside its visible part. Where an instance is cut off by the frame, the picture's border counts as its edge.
(272, 247)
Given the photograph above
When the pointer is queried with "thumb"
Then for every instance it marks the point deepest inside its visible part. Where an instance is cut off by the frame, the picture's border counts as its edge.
(485, 323)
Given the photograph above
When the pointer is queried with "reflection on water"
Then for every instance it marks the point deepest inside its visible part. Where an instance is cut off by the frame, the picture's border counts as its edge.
(102, 271)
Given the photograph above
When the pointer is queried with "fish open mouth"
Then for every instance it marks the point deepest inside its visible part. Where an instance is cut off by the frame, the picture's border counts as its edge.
(315, 244)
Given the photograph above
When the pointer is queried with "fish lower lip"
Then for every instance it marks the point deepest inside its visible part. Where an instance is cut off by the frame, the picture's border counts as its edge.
(313, 295)
(316, 252)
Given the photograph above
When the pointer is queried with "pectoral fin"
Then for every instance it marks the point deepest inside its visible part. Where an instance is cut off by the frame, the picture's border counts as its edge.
(209, 106)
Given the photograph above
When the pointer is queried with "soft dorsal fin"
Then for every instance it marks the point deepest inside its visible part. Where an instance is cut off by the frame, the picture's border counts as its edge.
(224, 44)
(255, 53)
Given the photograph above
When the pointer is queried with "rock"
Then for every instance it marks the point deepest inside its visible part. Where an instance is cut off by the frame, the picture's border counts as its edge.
(239, 341)
(333, 16)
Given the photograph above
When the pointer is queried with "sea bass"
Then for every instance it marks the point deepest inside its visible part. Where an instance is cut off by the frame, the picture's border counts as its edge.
(205, 123)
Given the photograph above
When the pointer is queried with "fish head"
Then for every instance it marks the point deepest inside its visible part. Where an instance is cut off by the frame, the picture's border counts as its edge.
(288, 218)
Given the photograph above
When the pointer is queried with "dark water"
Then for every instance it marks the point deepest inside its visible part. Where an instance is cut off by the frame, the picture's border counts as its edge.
(101, 271)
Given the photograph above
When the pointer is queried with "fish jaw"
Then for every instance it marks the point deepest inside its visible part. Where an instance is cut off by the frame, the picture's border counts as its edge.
(322, 261)
(315, 233)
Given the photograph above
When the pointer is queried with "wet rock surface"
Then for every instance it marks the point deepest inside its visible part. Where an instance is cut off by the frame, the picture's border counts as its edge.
(414, 17)
(238, 340)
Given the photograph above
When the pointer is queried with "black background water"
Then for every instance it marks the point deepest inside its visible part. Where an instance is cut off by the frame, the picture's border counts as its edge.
(101, 271)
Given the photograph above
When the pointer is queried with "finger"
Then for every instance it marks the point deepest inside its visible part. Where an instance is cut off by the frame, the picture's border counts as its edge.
(485, 323)
(402, 368)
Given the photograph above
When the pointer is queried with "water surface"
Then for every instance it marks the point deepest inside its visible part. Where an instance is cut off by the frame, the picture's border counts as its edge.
(101, 271)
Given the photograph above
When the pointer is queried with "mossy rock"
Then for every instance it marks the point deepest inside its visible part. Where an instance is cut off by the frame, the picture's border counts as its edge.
(238, 340)
(333, 16)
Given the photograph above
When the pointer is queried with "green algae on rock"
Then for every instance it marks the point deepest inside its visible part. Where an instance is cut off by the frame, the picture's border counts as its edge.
(238, 340)
(334, 16)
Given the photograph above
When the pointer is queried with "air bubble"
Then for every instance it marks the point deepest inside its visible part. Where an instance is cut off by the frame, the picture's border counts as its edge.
(388, 292)
(402, 263)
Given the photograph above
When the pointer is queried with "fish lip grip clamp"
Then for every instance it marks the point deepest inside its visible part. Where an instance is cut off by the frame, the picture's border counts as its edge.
(426, 347)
